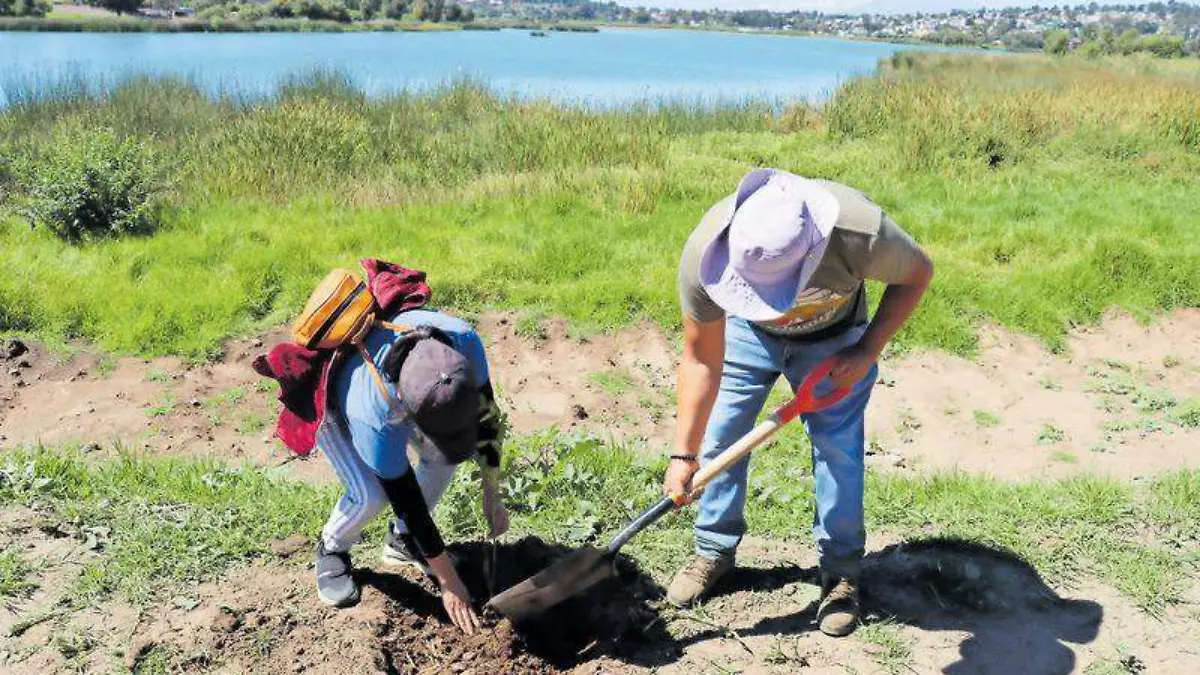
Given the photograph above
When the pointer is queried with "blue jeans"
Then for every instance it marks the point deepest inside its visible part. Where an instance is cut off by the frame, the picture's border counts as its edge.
(753, 362)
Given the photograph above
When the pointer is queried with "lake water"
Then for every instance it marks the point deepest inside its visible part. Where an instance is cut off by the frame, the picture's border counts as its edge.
(612, 67)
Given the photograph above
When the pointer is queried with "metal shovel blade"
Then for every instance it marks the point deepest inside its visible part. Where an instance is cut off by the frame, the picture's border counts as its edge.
(571, 575)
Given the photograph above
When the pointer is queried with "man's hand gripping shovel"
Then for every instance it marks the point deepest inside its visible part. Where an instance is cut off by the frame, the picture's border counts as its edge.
(588, 566)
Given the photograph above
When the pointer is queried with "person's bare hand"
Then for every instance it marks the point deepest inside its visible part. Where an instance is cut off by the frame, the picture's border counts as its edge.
(458, 607)
(853, 364)
(678, 480)
(455, 597)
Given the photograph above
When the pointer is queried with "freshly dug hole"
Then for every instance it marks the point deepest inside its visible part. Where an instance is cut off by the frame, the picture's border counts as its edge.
(612, 619)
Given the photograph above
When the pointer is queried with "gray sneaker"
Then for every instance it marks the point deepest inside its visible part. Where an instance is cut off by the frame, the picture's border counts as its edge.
(401, 549)
(335, 579)
(697, 578)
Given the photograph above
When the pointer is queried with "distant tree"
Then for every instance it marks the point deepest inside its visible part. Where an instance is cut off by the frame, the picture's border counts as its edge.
(1166, 46)
(1056, 42)
(119, 6)
(395, 9)
(25, 7)
(1129, 41)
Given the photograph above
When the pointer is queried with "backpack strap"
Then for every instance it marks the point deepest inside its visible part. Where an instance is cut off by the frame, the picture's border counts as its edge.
(392, 401)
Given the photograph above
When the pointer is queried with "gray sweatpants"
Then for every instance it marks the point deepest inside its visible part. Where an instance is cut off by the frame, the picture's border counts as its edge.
(364, 497)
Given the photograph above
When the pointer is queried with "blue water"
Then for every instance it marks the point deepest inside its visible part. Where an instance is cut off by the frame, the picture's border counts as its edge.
(612, 67)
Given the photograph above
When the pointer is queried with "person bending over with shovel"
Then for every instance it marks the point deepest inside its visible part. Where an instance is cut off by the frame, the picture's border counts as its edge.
(771, 283)
(438, 375)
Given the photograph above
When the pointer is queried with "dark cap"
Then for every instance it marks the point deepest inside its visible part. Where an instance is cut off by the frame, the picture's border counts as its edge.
(437, 389)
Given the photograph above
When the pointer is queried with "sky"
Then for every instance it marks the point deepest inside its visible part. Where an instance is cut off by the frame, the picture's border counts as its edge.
(851, 6)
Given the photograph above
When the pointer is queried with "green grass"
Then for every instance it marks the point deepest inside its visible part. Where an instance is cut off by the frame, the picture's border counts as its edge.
(14, 573)
(227, 398)
(253, 423)
(1064, 457)
(165, 521)
(892, 653)
(164, 407)
(984, 418)
(70, 22)
(613, 382)
(159, 521)
(1047, 192)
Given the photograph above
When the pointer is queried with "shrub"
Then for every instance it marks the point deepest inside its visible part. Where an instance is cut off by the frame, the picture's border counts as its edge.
(92, 184)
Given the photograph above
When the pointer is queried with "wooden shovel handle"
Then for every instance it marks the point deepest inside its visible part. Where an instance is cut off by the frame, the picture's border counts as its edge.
(802, 403)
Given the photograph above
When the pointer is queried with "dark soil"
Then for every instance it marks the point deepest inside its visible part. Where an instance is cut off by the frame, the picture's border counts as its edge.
(614, 619)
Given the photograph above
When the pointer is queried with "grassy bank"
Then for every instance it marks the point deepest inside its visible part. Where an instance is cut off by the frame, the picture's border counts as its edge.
(129, 24)
(161, 522)
(66, 23)
(1046, 190)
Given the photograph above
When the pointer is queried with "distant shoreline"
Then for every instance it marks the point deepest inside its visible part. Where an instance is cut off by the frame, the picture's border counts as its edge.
(116, 24)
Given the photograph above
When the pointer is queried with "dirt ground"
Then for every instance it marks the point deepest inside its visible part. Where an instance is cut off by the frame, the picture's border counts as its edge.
(1014, 411)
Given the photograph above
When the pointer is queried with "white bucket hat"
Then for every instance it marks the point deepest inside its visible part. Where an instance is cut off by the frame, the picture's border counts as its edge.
(774, 237)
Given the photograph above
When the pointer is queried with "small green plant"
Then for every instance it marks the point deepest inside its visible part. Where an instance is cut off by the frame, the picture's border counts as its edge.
(1153, 400)
(166, 407)
(1049, 383)
(1050, 434)
(252, 423)
(890, 651)
(530, 327)
(612, 382)
(1171, 361)
(1187, 414)
(73, 643)
(14, 571)
(231, 397)
(1064, 457)
(984, 418)
(156, 661)
(156, 375)
(91, 183)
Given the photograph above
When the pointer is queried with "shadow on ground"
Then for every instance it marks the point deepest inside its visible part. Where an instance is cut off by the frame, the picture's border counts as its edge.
(614, 619)
(1016, 623)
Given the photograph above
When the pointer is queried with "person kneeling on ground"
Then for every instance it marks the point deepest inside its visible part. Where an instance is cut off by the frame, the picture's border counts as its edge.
(444, 410)
(772, 282)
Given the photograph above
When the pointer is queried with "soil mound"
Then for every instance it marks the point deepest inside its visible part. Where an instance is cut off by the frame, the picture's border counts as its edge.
(615, 619)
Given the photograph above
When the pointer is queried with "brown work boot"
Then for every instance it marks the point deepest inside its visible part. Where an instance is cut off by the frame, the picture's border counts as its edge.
(697, 578)
(837, 614)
